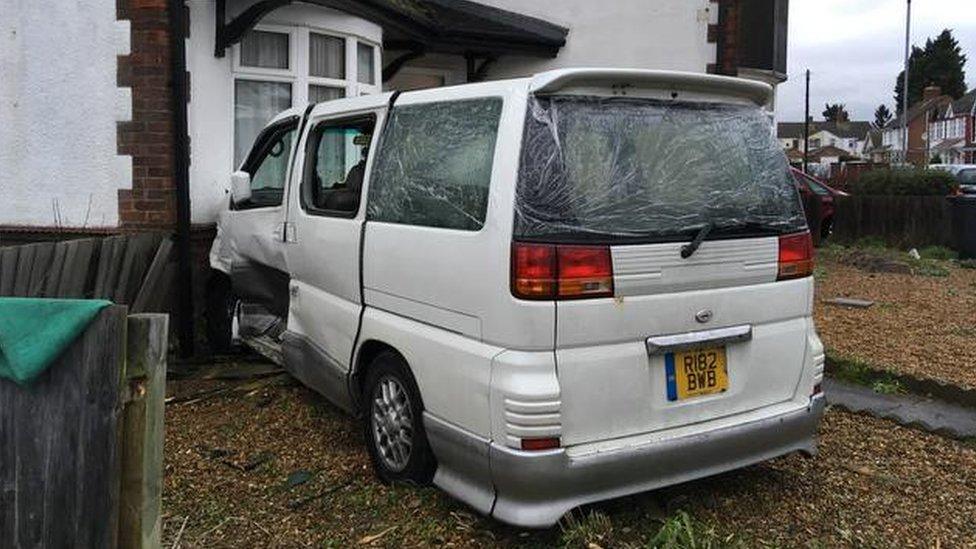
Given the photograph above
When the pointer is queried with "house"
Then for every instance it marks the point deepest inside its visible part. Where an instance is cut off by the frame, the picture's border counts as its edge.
(873, 148)
(950, 132)
(920, 114)
(845, 135)
(115, 75)
(131, 115)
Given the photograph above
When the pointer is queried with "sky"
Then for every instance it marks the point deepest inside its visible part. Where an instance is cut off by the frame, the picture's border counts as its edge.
(855, 49)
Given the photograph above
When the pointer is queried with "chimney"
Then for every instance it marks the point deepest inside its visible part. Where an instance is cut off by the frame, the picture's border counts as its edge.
(931, 91)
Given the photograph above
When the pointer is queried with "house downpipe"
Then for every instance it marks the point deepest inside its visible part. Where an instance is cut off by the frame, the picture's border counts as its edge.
(181, 176)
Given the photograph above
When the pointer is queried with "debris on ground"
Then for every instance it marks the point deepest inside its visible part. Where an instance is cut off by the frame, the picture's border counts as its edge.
(874, 483)
(849, 302)
(296, 478)
(249, 388)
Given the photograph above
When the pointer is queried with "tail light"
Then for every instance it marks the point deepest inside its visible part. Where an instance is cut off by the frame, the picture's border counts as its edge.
(536, 444)
(547, 271)
(534, 271)
(795, 256)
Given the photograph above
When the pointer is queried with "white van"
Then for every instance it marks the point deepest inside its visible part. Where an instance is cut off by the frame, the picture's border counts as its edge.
(537, 293)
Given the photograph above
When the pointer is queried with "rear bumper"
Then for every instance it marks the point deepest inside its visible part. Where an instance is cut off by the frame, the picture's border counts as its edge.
(535, 489)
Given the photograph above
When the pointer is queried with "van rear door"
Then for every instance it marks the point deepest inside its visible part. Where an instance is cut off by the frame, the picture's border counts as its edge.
(708, 315)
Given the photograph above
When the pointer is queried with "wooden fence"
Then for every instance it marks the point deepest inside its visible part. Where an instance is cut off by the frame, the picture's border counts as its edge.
(134, 269)
(81, 447)
(900, 221)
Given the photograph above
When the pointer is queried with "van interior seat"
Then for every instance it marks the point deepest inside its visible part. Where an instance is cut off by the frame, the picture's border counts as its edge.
(346, 198)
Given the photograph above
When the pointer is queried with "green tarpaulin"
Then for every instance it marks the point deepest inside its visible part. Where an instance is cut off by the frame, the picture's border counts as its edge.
(35, 331)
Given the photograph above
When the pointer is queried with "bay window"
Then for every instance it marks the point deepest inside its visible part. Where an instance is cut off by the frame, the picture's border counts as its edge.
(277, 67)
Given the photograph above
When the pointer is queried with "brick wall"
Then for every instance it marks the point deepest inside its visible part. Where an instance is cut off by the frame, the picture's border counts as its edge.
(148, 137)
(725, 36)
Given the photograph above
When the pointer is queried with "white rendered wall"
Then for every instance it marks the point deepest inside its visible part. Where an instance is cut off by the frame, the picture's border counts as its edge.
(644, 34)
(59, 105)
(211, 107)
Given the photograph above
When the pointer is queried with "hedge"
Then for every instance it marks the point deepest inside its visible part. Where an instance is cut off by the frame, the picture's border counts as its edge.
(905, 182)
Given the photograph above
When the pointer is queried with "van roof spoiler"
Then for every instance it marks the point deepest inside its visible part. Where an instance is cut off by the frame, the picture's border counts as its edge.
(759, 93)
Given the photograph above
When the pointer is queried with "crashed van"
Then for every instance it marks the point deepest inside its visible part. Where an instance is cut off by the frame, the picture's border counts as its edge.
(536, 293)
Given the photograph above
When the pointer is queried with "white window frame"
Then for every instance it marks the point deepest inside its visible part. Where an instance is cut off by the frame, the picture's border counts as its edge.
(297, 73)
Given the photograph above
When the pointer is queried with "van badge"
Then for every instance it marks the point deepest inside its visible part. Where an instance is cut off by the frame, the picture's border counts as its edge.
(703, 315)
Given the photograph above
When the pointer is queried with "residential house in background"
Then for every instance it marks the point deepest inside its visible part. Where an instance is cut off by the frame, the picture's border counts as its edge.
(873, 148)
(950, 132)
(828, 140)
(928, 109)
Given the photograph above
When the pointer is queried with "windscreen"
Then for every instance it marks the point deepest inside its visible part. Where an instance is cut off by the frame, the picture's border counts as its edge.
(628, 169)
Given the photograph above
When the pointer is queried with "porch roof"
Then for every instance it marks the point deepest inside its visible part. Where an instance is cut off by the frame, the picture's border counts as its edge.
(458, 27)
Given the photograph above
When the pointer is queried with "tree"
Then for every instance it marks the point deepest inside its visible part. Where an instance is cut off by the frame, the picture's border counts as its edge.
(882, 116)
(940, 63)
(835, 112)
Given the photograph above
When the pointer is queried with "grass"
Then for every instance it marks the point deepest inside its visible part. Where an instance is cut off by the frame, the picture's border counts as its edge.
(870, 243)
(679, 531)
(940, 253)
(858, 372)
(928, 267)
(889, 386)
(580, 530)
(933, 261)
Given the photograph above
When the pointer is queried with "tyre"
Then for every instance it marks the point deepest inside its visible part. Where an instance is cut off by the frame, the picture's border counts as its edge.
(394, 423)
(220, 303)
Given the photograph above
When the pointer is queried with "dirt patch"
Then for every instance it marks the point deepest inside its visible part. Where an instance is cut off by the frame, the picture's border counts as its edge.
(281, 467)
(872, 262)
(923, 326)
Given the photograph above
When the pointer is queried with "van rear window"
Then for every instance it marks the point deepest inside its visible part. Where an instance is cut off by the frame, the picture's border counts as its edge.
(434, 164)
(642, 170)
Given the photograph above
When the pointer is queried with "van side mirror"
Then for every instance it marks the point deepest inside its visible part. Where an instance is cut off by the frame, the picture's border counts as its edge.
(240, 187)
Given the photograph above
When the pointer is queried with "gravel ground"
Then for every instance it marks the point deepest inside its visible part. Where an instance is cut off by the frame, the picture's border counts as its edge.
(920, 325)
(278, 466)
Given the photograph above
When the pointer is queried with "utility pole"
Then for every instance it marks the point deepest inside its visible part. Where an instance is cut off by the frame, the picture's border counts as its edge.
(806, 125)
(904, 85)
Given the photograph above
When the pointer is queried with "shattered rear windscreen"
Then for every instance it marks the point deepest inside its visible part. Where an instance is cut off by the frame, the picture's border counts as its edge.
(599, 168)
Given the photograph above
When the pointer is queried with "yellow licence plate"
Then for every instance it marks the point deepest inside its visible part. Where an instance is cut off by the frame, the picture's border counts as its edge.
(696, 372)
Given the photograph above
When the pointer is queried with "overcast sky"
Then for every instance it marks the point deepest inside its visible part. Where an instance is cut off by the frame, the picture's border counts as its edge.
(855, 48)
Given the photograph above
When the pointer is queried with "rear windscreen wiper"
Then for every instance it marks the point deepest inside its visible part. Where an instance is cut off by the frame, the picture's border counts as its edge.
(688, 249)
(749, 226)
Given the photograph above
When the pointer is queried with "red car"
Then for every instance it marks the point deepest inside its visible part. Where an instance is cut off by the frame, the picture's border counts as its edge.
(810, 186)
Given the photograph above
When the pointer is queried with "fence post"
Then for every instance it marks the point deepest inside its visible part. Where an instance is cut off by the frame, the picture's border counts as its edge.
(59, 452)
(141, 433)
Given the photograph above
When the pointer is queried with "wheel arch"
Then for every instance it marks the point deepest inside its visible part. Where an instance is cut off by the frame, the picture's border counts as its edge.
(365, 354)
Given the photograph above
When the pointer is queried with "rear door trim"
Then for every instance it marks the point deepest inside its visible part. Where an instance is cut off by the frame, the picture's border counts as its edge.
(657, 345)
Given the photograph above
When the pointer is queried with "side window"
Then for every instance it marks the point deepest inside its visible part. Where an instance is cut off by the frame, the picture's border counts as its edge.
(335, 163)
(268, 165)
(434, 164)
